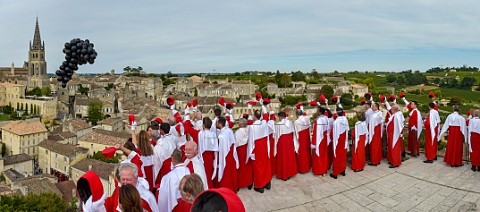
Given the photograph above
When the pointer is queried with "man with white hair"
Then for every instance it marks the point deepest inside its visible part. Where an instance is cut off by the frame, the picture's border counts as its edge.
(129, 175)
(395, 136)
(245, 168)
(194, 162)
(457, 134)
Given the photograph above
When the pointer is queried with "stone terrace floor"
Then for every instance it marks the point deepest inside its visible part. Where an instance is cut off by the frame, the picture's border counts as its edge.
(414, 186)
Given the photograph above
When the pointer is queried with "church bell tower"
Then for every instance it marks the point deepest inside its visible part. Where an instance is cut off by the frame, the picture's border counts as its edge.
(36, 55)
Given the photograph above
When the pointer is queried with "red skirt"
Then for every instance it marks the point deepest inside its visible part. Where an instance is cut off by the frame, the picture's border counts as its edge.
(286, 160)
(340, 157)
(304, 156)
(413, 142)
(431, 144)
(358, 154)
(395, 152)
(261, 165)
(245, 170)
(376, 152)
(229, 179)
(454, 152)
(273, 159)
(475, 154)
(208, 157)
(320, 163)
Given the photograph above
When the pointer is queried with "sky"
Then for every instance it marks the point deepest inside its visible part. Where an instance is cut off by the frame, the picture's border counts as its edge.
(234, 36)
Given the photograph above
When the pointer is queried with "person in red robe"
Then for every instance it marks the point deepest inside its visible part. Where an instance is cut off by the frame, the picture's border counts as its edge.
(302, 133)
(163, 152)
(474, 140)
(455, 124)
(227, 156)
(245, 168)
(340, 144)
(271, 140)
(190, 187)
(414, 128)
(360, 135)
(286, 146)
(145, 150)
(320, 135)
(432, 126)
(375, 131)
(220, 199)
(259, 152)
(194, 162)
(395, 137)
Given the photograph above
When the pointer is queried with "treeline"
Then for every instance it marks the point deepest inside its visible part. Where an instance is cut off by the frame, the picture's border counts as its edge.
(407, 78)
(466, 83)
(460, 69)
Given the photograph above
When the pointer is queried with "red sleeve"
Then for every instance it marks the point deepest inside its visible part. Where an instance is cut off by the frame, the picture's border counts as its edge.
(412, 121)
(265, 116)
(190, 167)
(435, 107)
(192, 132)
(112, 201)
(138, 162)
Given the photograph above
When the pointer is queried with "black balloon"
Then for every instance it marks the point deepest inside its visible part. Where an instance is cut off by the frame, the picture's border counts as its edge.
(67, 45)
(57, 72)
(59, 78)
(77, 52)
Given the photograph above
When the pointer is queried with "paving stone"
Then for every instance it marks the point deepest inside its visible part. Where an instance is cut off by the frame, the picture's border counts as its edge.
(358, 198)
(375, 206)
(384, 200)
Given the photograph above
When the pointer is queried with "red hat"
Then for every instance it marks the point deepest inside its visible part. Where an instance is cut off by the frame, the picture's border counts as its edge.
(382, 98)
(313, 103)
(392, 98)
(158, 119)
(229, 105)
(188, 105)
(91, 185)
(322, 98)
(252, 103)
(335, 116)
(367, 95)
(258, 96)
(334, 99)
(469, 113)
(326, 113)
(431, 94)
(299, 105)
(272, 117)
(131, 119)
(401, 95)
(109, 152)
(195, 102)
(409, 107)
(221, 101)
(170, 101)
(266, 101)
(245, 116)
(234, 203)
(362, 102)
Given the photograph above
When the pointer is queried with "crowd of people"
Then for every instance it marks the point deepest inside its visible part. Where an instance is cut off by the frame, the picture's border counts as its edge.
(194, 163)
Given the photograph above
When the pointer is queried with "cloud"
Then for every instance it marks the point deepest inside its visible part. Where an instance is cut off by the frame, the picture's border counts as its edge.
(199, 36)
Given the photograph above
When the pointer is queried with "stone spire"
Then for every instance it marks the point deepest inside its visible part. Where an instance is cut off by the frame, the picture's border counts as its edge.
(37, 41)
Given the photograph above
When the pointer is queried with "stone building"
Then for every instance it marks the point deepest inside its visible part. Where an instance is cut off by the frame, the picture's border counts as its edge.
(21, 163)
(24, 136)
(105, 171)
(56, 157)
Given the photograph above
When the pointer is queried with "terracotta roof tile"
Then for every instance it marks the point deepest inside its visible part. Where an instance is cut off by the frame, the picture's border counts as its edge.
(77, 124)
(13, 159)
(25, 127)
(62, 149)
(66, 188)
(106, 137)
(102, 169)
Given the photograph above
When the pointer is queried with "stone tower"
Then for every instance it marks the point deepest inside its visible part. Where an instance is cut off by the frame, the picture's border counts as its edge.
(37, 66)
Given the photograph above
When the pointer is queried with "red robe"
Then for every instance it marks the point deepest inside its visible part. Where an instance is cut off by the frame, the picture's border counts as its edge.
(207, 156)
(413, 142)
(182, 206)
(340, 158)
(245, 170)
(286, 160)
(320, 163)
(166, 167)
(304, 156)
(431, 142)
(454, 151)
(475, 153)
(229, 179)
(262, 174)
(394, 153)
(273, 158)
(376, 150)
(358, 149)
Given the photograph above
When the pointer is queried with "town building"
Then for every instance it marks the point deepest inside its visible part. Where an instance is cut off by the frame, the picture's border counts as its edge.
(24, 136)
(105, 171)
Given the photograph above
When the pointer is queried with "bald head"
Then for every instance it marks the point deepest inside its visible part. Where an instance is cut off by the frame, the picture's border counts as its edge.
(172, 121)
(198, 115)
(190, 149)
(395, 108)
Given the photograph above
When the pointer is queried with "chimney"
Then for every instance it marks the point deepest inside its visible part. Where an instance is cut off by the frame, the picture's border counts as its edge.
(12, 70)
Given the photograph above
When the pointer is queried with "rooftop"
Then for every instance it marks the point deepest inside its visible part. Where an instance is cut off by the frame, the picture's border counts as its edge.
(26, 127)
(102, 169)
(67, 188)
(57, 147)
(105, 137)
(77, 124)
(39, 183)
(14, 159)
(13, 175)
(7, 84)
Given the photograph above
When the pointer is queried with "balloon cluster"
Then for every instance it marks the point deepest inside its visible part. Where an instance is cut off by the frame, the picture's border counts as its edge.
(77, 52)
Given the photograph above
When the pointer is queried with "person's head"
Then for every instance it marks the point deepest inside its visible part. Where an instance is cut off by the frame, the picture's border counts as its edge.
(456, 108)
(339, 112)
(128, 173)
(207, 123)
(130, 146)
(321, 111)
(129, 199)
(172, 121)
(375, 106)
(144, 143)
(282, 115)
(198, 115)
(164, 128)
(242, 123)
(361, 116)
(413, 104)
(329, 113)
(190, 187)
(217, 112)
(395, 108)
(476, 113)
(368, 105)
(190, 149)
(299, 113)
(176, 157)
(209, 201)
(149, 130)
(431, 105)
(257, 115)
(221, 121)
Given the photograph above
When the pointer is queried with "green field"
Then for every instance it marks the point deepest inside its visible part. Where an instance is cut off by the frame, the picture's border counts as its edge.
(4, 117)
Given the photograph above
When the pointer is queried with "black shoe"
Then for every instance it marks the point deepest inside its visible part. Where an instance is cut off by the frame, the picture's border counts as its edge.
(459, 165)
(268, 186)
(358, 170)
(392, 166)
(259, 190)
(428, 161)
(343, 173)
(403, 154)
(474, 168)
(371, 164)
(250, 187)
(333, 176)
(435, 158)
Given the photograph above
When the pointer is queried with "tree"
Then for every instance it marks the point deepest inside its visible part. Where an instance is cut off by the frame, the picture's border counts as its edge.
(285, 81)
(33, 202)
(127, 69)
(46, 91)
(391, 78)
(456, 100)
(83, 90)
(400, 80)
(436, 81)
(109, 86)
(278, 77)
(292, 100)
(370, 83)
(327, 91)
(298, 76)
(467, 82)
(196, 93)
(315, 74)
(95, 112)
(347, 100)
